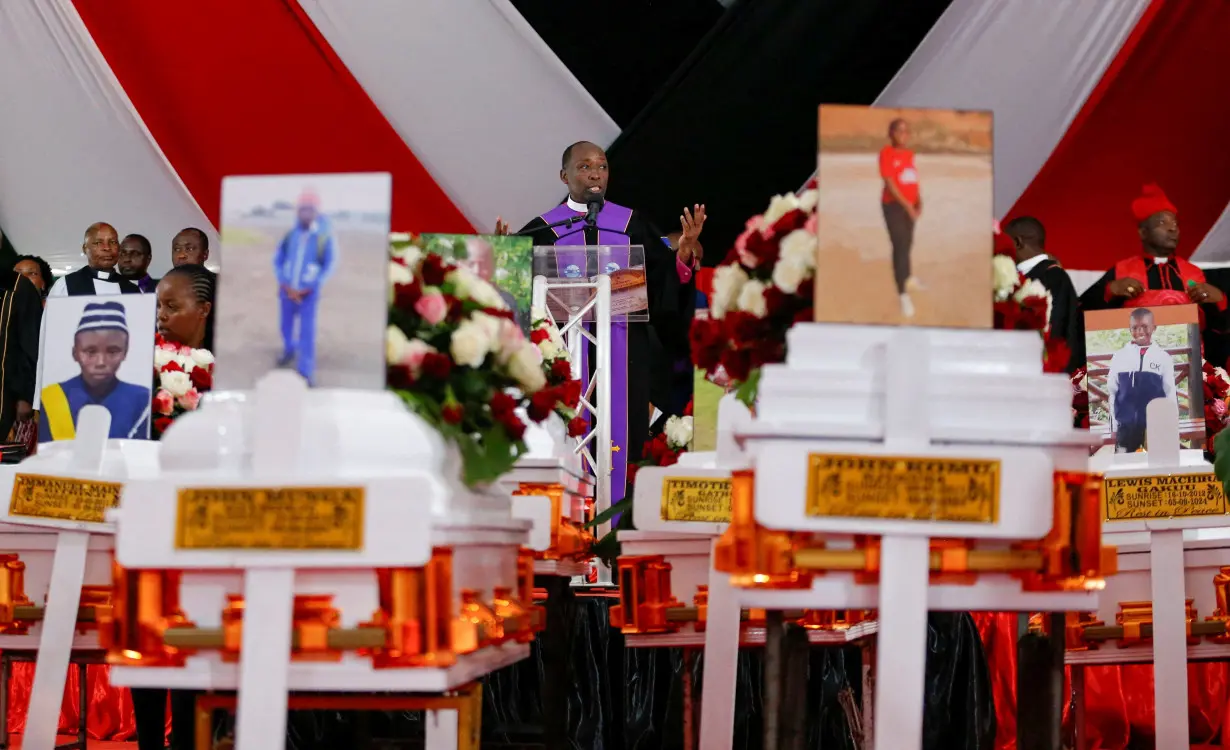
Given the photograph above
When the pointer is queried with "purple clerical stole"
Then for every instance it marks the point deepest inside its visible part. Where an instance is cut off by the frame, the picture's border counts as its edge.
(612, 225)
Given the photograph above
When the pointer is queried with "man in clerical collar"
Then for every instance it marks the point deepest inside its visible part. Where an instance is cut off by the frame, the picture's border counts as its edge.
(1028, 237)
(136, 253)
(100, 346)
(1158, 276)
(102, 251)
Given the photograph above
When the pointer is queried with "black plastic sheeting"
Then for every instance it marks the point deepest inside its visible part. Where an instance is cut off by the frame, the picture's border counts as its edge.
(619, 698)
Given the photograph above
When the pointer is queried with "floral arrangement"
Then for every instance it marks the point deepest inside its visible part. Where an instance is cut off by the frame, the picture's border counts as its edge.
(456, 356)
(182, 374)
(1216, 388)
(1022, 304)
(763, 287)
(557, 369)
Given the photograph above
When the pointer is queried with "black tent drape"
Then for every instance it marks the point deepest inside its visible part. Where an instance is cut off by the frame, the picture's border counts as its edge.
(621, 51)
(737, 122)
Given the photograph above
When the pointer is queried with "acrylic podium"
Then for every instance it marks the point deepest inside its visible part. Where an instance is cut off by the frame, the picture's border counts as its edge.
(904, 470)
(316, 541)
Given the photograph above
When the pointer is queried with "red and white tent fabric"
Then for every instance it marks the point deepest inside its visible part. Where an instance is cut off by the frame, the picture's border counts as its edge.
(459, 99)
(467, 107)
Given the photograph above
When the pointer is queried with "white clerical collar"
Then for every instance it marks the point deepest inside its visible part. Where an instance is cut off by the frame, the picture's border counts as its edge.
(578, 207)
(1029, 264)
(1160, 261)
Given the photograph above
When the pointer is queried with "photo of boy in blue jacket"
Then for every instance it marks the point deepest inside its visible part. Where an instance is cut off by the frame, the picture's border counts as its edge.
(1139, 372)
(304, 260)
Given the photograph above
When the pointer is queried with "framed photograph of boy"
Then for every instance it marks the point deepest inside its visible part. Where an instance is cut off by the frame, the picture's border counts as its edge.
(98, 350)
(1136, 355)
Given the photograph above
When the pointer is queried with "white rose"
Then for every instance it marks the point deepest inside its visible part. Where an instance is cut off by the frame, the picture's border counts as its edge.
(779, 207)
(1005, 277)
(751, 299)
(184, 361)
(177, 383)
(549, 349)
(399, 274)
(162, 357)
(467, 285)
(788, 275)
(809, 199)
(1035, 288)
(202, 357)
(1221, 374)
(727, 283)
(469, 344)
(678, 432)
(526, 368)
(397, 237)
(799, 248)
(395, 343)
(491, 326)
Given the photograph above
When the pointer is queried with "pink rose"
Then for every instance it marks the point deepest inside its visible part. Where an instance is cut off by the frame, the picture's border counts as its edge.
(1219, 407)
(812, 224)
(414, 353)
(432, 307)
(164, 402)
(190, 399)
(168, 346)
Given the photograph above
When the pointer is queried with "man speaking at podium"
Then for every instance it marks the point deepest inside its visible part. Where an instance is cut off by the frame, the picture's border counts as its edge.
(670, 278)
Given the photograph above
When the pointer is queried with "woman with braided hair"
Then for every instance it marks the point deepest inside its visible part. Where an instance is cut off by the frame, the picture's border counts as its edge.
(185, 307)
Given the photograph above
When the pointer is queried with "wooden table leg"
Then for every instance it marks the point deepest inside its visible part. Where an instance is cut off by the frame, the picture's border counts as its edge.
(470, 718)
(203, 723)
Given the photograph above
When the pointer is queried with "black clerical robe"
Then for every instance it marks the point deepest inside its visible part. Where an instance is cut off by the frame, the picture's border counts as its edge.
(1067, 319)
(21, 313)
(672, 302)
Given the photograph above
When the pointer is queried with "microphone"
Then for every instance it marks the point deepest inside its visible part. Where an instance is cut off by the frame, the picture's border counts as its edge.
(593, 204)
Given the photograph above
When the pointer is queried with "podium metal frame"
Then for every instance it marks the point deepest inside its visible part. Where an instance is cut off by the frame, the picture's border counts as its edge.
(595, 446)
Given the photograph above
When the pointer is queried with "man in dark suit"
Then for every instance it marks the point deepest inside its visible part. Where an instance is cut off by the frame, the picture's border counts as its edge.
(1067, 319)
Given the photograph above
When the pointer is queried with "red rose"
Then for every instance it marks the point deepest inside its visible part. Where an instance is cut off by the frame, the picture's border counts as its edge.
(1058, 354)
(767, 350)
(201, 379)
(399, 378)
(513, 425)
(764, 249)
(738, 363)
(789, 222)
(455, 308)
(632, 469)
(669, 458)
(172, 366)
(542, 404)
(687, 410)
(496, 312)
(539, 335)
(436, 366)
(561, 369)
(453, 413)
(776, 301)
(405, 295)
(806, 291)
(161, 424)
(656, 448)
(806, 315)
(745, 327)
(433, 270)
(570, 393)
(502, 404)
(577, 426)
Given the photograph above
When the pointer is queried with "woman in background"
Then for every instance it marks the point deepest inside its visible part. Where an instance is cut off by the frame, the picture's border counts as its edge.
(185, 304)
(38, 271)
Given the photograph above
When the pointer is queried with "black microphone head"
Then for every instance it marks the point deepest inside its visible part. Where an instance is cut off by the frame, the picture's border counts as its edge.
(595, 198)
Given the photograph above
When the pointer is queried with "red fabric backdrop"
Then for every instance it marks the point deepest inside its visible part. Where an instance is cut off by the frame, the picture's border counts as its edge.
(1160, 114)
(253, 88)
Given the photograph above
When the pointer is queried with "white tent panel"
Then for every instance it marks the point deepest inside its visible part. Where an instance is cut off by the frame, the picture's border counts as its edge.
(480, 99)
(75, 150)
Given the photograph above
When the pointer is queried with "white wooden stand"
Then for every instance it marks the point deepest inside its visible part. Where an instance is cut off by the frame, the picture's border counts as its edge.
(596, 444)
(917, 393)
(1166, 561)
(284, 436)
(80, 553)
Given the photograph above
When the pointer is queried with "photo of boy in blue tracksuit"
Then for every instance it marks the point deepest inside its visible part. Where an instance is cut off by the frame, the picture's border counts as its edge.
(304, 260)
(1139, 372)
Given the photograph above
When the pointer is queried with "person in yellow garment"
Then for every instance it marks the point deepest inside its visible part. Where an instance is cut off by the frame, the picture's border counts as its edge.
(99, 348)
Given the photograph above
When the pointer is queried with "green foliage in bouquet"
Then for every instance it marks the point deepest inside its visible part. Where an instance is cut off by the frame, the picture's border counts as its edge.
(457, 358)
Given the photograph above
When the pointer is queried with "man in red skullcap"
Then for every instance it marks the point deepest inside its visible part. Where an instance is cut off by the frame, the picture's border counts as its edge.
(1157, 276)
